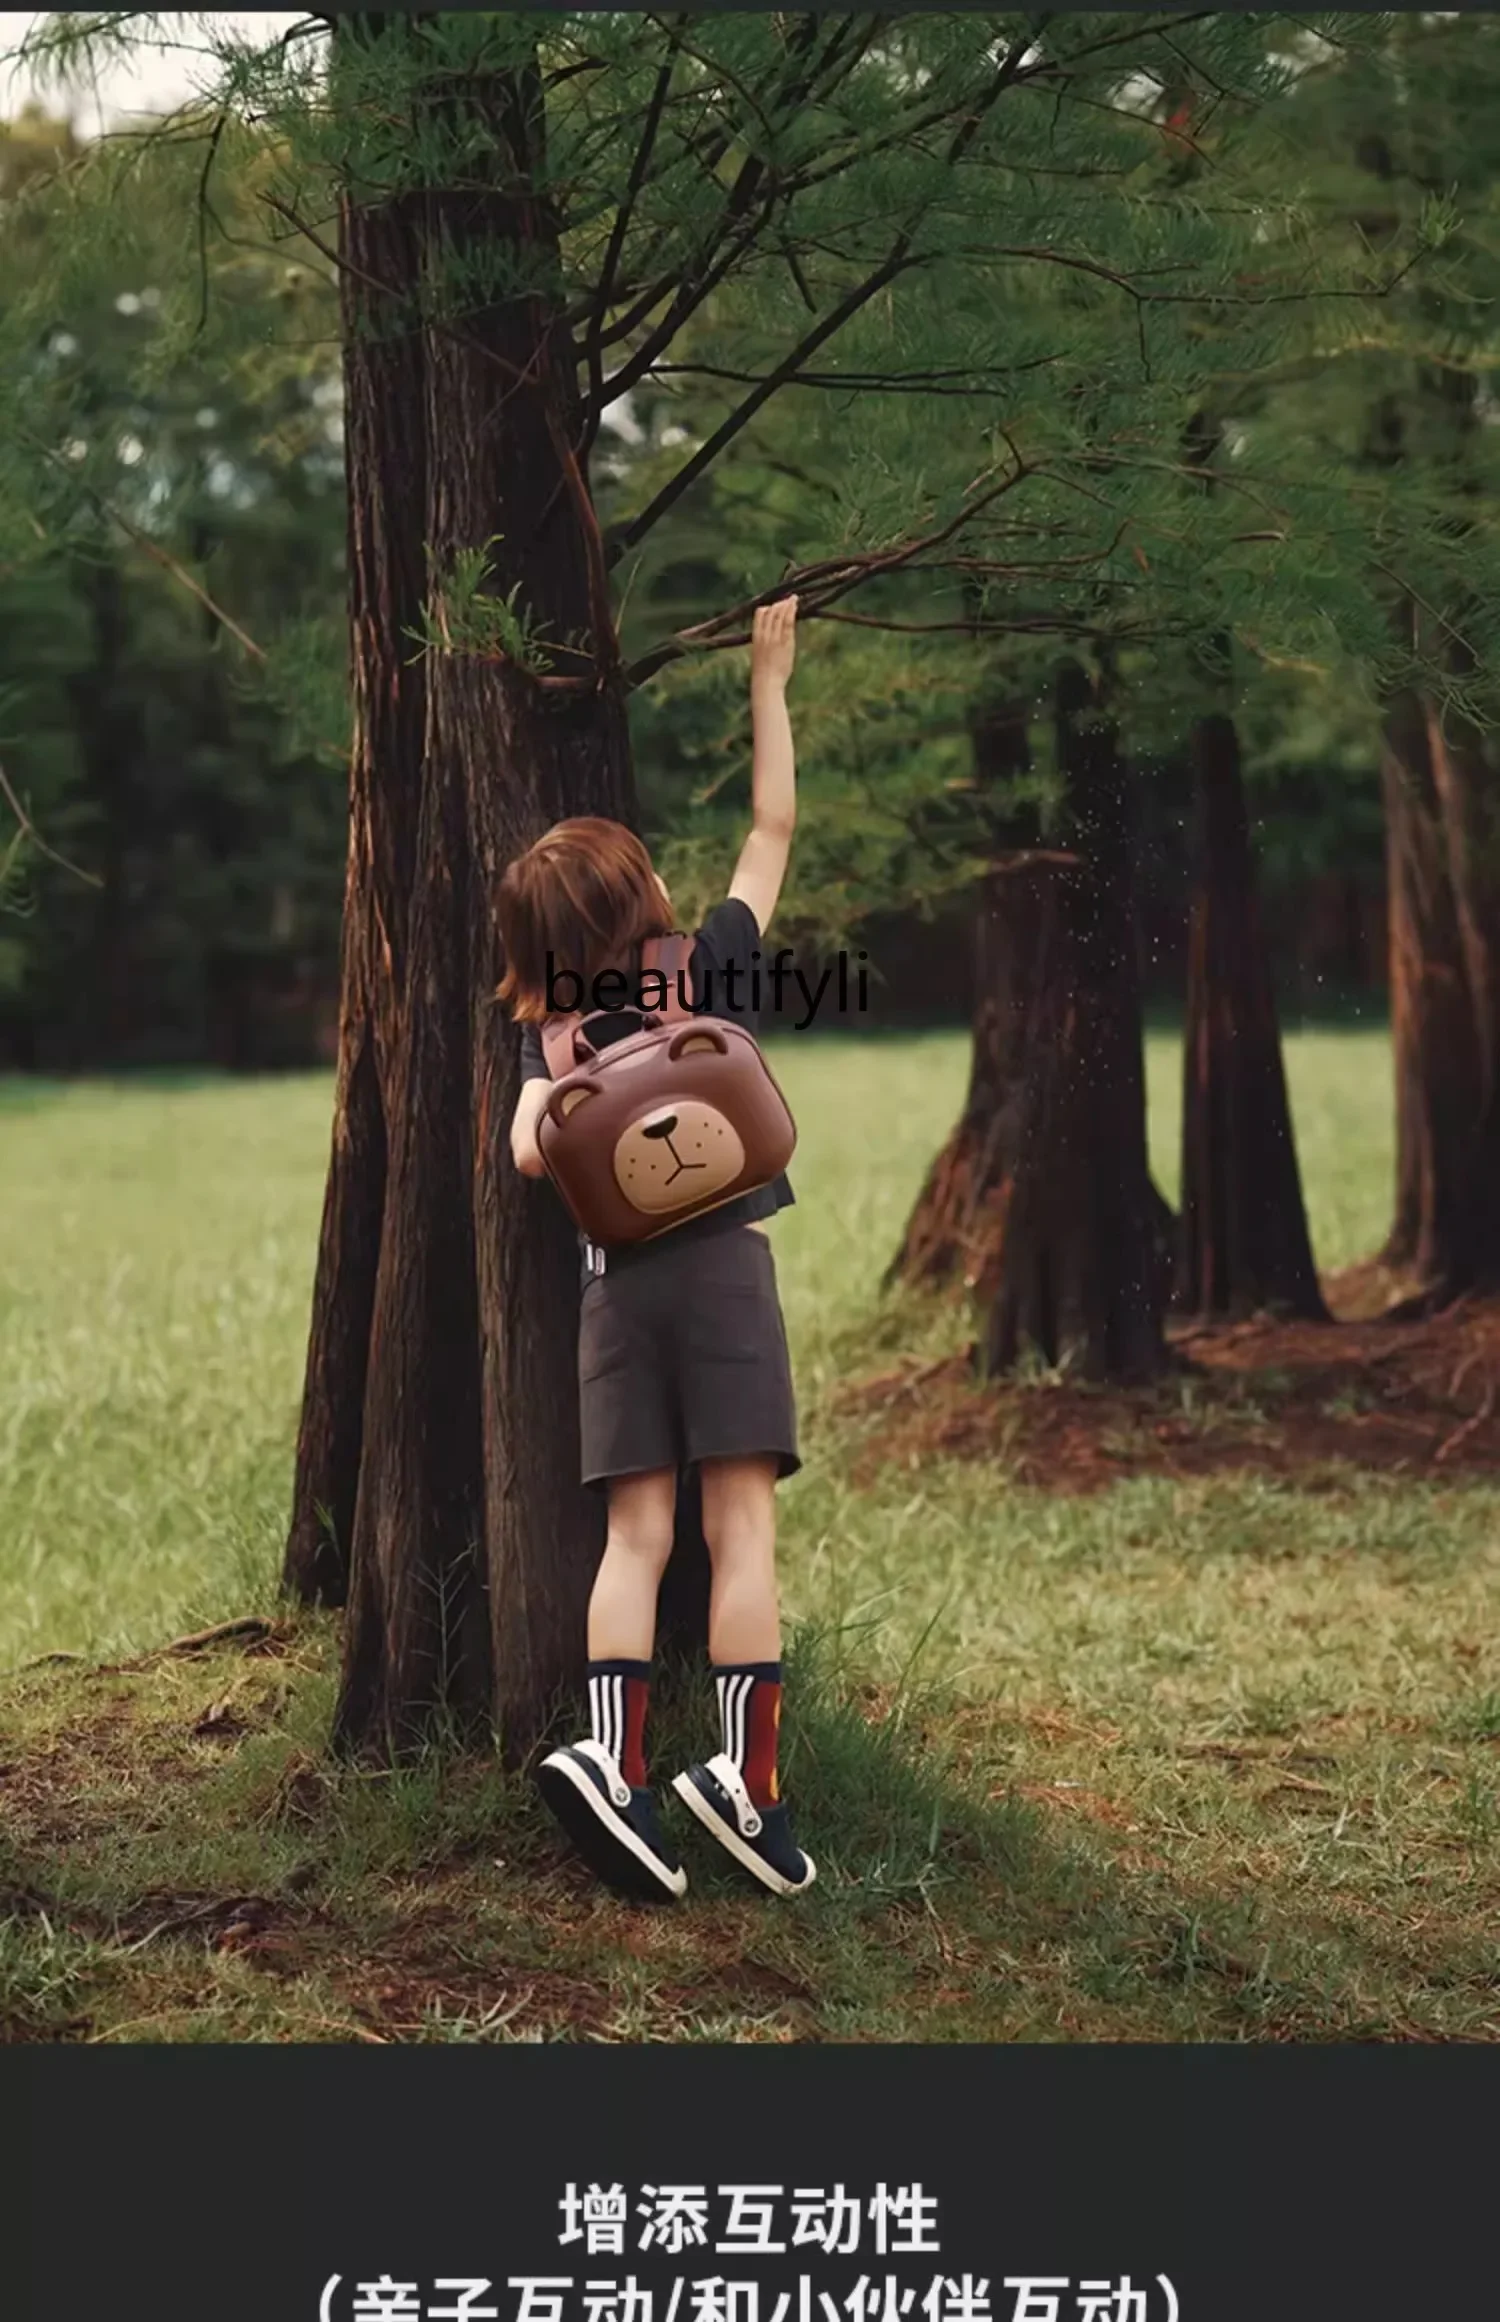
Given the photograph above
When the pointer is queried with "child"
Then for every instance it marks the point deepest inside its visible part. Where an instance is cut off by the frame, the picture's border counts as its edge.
(682, 1358)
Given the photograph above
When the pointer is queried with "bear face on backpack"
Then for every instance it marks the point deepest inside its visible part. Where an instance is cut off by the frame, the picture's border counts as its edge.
(643, 1133)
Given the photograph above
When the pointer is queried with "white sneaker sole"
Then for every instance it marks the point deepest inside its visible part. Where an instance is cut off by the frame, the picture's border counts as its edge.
(619, 1833)
(729, 1838)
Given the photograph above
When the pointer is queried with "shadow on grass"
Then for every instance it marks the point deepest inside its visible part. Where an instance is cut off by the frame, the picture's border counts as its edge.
(185, 1862)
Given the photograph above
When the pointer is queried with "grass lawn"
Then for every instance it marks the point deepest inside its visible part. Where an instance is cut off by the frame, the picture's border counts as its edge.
(1195, 1755)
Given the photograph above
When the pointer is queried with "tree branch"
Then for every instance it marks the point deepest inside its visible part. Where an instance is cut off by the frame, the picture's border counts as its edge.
(818, 586)
(863, 382)
(897, 260)
(904, 131)
(153, 548)
(690, 295)
(740, 418)
(593, 355)
(26, 829)
(205, 212)
(722, 256)
(971, 110)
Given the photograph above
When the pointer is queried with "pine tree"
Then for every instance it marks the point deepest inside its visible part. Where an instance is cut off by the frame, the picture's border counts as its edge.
(535, 217)
(1402, 426)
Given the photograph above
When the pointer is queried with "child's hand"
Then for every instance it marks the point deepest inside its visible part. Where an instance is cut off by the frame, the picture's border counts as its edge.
(773, 643)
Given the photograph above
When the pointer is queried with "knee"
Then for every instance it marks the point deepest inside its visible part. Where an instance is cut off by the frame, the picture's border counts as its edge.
(642, 1534)
(739, 1517)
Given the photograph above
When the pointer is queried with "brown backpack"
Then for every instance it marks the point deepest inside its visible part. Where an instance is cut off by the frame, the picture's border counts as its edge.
(664, 1125)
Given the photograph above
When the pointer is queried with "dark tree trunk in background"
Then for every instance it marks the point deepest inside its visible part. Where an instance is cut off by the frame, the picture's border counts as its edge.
(1420, 929)
(1078, 1279)
(1442, 801)
(1244, 1242)
(956, 1221)
(1468, 794)
(110, 744)
(385, 464)
(1443, 860)
(229, 977)
(1244, 1245)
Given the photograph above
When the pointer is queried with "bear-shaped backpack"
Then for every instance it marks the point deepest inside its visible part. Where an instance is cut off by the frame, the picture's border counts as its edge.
(648, 1131)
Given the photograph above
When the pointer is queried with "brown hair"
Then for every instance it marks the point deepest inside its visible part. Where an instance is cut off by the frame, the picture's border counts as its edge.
(586, 896)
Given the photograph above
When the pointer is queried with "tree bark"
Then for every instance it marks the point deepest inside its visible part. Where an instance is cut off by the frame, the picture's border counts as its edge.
(955, 1223)
(385, 433)
(1442, 800)
(474, 1544)
(437, 1477)
(1244, 1243)
(1078, 1279)
(1443, 859)
(1468, 792)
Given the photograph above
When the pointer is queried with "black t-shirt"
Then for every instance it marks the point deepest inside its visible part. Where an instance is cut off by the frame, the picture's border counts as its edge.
(726, 954)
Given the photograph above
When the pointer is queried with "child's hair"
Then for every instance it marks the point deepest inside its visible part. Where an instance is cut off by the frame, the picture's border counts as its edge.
(586, 896)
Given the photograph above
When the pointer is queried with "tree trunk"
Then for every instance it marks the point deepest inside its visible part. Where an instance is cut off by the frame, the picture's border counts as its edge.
(1078, 1279)
(1444, 888)
(1442, 801)
(1469, 794)
(1244, 1241)
(437, 1477)
(385, 467)
(474, 1544)
(955, 1224)
(110, 745)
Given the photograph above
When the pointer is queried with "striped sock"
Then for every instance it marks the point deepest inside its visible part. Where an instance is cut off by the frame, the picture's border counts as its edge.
(750, 1714)
(617, 1711)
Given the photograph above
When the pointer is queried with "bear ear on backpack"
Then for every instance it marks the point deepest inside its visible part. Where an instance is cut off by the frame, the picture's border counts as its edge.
(700, 1041)
(566, 1098)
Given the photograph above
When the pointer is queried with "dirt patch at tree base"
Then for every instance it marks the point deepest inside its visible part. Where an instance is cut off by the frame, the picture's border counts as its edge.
(1306, 1400)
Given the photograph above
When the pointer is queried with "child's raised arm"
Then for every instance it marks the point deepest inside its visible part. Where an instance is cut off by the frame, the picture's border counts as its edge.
(762, 865)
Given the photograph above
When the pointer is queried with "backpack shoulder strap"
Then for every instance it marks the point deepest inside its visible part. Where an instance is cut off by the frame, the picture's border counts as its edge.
(560, 1045)
(565, 1045)
(670, 956)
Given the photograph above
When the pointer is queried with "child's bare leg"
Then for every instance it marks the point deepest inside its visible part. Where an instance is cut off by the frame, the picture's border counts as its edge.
(598, 1788)
(737, 1795)
(622, 1609)
(739, 1524)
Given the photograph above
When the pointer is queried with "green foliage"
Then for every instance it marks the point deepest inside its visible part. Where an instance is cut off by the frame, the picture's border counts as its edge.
(462, 616)
(160, 468)
(1282, 304)
(919, 312)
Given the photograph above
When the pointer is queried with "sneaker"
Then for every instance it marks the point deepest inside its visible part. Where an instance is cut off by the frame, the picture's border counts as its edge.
(613, 1827)
(759, 1837)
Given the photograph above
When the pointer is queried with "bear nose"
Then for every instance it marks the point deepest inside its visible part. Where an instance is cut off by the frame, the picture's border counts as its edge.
(660, 1128)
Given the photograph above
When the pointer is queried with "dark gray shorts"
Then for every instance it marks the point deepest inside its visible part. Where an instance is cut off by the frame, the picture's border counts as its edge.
(682, 1357)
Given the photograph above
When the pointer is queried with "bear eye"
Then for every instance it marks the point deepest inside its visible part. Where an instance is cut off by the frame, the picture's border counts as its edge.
(696, 1043)
(574, 1098)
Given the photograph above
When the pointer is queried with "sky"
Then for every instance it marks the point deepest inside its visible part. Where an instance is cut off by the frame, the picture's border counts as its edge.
(155, 81)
